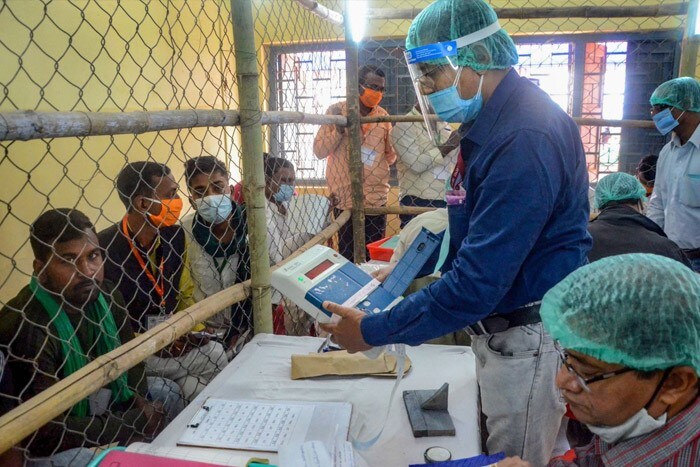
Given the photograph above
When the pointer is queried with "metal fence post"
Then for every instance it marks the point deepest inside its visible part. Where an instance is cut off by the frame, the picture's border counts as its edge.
(253, 170)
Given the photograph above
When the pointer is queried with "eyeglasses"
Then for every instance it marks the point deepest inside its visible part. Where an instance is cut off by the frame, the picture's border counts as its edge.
(585, 382)
(658, 108)
(426, 81)
(373, 87)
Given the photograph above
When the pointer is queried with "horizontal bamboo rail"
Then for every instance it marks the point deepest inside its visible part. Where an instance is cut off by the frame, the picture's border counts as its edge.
(321, 11)
(578, 120)
(26, 125)
(408, 210)
(642, 11)
(45, 406)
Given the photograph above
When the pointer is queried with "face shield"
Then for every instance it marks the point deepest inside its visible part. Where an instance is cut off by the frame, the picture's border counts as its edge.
(430, 74)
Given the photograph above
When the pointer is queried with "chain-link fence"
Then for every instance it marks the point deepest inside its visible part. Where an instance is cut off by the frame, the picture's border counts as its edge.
(117, 191)
(136, 103)
(597, 62)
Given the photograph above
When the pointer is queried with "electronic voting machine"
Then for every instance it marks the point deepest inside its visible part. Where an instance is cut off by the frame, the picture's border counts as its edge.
(321, 274)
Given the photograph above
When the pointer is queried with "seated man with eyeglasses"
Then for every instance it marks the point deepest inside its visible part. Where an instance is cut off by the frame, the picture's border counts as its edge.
(628, 331)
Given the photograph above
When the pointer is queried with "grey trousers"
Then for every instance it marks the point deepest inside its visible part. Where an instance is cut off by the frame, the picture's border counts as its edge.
(193, 371)
(515, 370)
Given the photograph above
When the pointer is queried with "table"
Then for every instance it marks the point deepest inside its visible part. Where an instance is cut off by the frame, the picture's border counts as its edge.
(262, 371)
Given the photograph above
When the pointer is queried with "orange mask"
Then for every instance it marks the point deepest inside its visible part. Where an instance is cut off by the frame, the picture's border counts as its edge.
(169, 212)
(370, 98)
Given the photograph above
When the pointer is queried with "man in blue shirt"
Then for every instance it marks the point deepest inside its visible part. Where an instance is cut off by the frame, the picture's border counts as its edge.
(518, 212)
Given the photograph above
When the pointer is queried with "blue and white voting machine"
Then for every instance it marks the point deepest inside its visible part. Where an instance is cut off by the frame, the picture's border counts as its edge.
(321, 274)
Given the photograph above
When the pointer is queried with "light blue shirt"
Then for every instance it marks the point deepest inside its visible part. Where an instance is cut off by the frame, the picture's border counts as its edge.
(675, 203)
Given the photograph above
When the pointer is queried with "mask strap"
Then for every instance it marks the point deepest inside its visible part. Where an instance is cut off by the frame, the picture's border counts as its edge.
(481, 81)
(660, 384)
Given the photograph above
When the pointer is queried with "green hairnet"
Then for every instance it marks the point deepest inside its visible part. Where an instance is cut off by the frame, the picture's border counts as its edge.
(619, 186)
(681, 93)
(638, 310)
(447, 20)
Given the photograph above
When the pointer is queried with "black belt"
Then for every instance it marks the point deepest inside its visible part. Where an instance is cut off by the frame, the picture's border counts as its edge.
(693, 253)
(528, 314)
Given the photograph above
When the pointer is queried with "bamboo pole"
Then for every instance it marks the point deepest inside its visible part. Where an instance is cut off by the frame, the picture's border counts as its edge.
(24, 125)
(253, 169)
(60, 397)
(279, 117)
(27, 124)
(642, 11)
(582, 121)
(354, 144)
(578, 120)
(689, 45)
(321, 11)
(409, 210)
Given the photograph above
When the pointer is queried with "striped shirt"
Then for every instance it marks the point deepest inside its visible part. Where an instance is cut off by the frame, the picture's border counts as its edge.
(675, 444)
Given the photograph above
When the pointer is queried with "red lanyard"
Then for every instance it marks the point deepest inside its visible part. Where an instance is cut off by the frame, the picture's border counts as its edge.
(159, 288)
(457, 179)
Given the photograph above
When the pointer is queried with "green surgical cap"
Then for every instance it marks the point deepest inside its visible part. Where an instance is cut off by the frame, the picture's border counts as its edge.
(618, 187)
(681, 93)
(447, 20)
(638, 310)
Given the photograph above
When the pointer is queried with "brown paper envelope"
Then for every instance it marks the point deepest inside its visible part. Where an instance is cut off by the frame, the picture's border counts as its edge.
(341, 363)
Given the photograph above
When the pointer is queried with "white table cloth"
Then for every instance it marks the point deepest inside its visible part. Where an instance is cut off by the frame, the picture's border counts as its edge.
(262, 371)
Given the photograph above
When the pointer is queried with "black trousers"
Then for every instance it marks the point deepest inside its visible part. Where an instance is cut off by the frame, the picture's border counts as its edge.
(375, 229)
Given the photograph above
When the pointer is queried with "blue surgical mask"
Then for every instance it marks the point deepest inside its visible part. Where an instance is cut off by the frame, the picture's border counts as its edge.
(665, 122)
(284, 194)
(450, 107)
(214, 209)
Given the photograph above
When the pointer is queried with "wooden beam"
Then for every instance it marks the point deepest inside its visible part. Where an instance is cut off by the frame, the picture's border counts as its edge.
(578, 120)
(253, 165)
(643, 11)
(321, 11)
(26, 125)
(409, 210)
(354, 132)
(689, 46)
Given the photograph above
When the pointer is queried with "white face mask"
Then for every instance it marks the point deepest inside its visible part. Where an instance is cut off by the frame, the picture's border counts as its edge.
(641, 423)
(214, 209)
(638, 424)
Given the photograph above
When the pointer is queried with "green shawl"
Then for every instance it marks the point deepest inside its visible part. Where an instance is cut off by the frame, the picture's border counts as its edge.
(101, 328)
